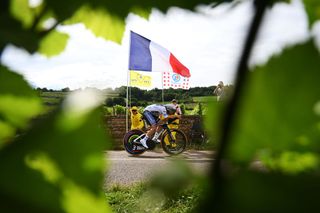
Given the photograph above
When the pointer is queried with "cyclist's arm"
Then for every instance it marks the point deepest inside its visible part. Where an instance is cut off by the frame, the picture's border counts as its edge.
(164, 117)
(174, 116)
(179, 110)
(170, 117)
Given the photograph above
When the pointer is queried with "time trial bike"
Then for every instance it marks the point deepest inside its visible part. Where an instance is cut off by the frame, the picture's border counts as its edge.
(172, 141)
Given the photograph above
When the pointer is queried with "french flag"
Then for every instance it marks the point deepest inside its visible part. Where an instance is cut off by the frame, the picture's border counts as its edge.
(146, 55)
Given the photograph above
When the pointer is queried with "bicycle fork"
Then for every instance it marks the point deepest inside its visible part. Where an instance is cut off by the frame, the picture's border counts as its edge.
(171, 137)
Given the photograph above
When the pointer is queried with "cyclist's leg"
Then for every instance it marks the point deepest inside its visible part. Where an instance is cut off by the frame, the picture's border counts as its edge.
(157, 133)
(153, 123)
(152, 130)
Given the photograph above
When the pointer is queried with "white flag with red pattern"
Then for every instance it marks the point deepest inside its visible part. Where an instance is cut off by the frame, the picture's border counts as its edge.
(175, 81)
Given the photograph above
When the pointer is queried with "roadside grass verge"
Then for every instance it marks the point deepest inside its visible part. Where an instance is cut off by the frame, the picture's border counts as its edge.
(143, 198)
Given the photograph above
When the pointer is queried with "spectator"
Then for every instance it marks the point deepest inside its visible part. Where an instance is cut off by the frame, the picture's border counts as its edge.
(220, 91)
(136, 119)
(175, 103)
(175, 124)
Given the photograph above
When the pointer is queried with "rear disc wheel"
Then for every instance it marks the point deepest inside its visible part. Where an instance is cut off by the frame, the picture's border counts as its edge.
(130, 146)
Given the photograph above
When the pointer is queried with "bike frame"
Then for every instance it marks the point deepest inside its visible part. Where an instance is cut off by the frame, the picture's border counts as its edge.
(138, 138)
(166, 128)
(162, 131)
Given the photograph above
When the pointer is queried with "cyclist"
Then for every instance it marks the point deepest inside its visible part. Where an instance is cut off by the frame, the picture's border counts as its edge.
(152, 114)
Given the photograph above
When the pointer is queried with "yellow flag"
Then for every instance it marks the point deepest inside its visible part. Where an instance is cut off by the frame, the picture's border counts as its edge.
(139, 80)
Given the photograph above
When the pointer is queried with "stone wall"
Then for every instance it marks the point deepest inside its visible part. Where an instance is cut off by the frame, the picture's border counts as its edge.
(116, 127)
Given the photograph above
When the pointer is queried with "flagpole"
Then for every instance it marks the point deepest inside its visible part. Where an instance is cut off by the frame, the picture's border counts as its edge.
(130, 95)
(162, 88)
(127, 100)
(128, 77)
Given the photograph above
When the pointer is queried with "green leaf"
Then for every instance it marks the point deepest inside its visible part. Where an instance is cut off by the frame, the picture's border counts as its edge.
(14, 84)
(54, 43)
(143, 12)
(313, 10)
(21, 10)
(12, 32)
(17, 110)
(100, 22)
(277, 110)
(18, 103)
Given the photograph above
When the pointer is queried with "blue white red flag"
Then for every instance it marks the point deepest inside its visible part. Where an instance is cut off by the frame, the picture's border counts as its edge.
(146, 55)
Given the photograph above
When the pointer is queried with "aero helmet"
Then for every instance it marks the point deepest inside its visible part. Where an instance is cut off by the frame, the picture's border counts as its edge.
(171, 109)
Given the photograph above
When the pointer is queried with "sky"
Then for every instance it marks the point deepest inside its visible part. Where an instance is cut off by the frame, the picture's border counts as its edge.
(208, 42)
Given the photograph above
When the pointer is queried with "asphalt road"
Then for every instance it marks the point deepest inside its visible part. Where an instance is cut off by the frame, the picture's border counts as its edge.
(125, 169)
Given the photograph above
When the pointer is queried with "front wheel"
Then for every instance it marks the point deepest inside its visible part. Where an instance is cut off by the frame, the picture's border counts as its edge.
(174, 143)
(129, 144)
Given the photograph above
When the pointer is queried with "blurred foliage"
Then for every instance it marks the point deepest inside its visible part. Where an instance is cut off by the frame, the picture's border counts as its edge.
(18, 104)
(175, 177)
(279, 114)
(290, 162)
(249, 191)
(213, 121)
(57, 164)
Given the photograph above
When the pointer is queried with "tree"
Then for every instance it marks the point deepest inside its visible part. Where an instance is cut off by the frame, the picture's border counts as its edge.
(169, 96)
(119, 101)
(65, 89)
(122, 91)
(109, 102)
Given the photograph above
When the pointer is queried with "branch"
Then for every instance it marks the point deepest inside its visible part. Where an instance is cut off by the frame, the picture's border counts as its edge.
(231, 107)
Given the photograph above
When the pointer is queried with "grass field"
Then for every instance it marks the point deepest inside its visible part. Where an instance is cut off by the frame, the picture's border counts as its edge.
(204, 99)
(54, 98)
